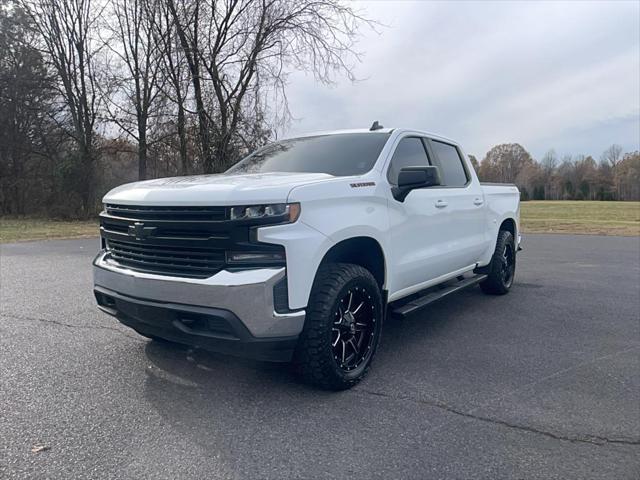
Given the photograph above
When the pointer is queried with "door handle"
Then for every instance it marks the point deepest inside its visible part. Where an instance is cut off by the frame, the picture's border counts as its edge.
(478, 201)
(441, 204)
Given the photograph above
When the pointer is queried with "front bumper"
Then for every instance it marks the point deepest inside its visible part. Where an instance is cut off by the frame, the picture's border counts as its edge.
(229, 312)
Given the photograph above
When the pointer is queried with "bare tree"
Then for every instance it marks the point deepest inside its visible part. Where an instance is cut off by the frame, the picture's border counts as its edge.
(504, 162)
(628, 177)
(238, 49)
(139, 45)
(549, 162)
(65, 27)
(186, 17)
(175, 72)
(612, 155)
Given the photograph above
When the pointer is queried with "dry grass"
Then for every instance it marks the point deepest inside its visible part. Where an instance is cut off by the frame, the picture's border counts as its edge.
(594, 218)
(14, 229)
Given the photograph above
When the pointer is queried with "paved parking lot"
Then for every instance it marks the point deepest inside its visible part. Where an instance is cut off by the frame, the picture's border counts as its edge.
(541, 383)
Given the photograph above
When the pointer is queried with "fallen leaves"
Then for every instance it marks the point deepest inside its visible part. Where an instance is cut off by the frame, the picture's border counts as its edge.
(39, 448)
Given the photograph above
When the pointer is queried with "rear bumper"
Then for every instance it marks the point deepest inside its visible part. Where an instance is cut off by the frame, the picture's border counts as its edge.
(229, 312)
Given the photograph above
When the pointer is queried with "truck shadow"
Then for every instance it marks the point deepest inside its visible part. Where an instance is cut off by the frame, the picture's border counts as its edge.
(230, 406)
(202, 367)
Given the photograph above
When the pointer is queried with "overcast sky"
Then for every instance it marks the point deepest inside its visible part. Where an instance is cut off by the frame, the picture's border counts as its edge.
(543, 74)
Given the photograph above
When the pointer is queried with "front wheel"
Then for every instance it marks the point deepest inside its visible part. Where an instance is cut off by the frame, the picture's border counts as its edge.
(502, 268)
(342, 328)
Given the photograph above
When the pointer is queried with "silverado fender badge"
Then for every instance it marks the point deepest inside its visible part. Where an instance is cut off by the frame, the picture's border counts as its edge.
(363, 184)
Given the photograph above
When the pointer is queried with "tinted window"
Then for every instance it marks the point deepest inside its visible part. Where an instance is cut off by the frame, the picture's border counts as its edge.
(451, 168)
(410, 152)
(339, 155)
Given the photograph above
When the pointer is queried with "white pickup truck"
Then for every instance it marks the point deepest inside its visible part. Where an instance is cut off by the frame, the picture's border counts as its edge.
(300, 251)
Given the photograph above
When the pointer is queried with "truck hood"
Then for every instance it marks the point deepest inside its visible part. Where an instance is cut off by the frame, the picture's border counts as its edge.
(213, 189)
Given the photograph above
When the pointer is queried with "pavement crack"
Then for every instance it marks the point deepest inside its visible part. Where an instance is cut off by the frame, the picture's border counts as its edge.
(67, 325)
(589, 439)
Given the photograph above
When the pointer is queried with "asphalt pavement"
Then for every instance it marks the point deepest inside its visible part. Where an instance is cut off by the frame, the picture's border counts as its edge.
(541, 383)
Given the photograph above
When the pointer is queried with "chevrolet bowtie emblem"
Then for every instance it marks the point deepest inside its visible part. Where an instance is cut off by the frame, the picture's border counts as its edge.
(139, 231)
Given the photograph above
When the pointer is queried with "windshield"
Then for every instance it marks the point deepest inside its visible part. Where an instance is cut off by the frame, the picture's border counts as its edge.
(339, 155)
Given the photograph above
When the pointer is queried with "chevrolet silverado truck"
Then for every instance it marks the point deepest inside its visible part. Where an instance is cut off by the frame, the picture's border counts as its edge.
(301, 250)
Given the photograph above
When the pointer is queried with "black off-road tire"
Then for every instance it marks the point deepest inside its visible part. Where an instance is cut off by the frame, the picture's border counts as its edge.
(315, 359)
(501, 270)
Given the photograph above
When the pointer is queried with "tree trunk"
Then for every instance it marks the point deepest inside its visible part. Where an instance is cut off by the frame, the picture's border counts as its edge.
(203, 128)
(221, 156)
(87, 190)
(182, 136)
(142, 149)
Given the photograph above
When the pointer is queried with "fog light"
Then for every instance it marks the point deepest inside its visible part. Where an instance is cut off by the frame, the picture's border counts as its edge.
(255, 258)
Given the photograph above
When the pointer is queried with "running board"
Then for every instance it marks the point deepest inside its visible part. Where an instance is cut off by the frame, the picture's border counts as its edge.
(431, 296)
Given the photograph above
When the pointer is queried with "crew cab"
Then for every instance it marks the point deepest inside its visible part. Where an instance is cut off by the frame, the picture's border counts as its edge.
(301, 250)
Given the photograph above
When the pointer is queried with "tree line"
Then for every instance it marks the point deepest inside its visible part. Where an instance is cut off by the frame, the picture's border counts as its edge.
(614, 176)
(96, 93)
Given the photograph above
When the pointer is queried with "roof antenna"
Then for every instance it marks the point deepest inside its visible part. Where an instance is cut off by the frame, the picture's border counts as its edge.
(375, 126)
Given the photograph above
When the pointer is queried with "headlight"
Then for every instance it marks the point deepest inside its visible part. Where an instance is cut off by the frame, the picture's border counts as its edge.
(284, 212)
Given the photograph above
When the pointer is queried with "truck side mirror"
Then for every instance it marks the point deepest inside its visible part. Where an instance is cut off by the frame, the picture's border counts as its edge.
(411, 178)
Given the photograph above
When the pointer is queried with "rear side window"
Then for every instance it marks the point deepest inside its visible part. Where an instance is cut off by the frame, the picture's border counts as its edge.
(410, 152)
(451, 168)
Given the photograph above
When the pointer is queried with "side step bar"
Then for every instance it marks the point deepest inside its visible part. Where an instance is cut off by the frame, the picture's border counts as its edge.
(430, 295)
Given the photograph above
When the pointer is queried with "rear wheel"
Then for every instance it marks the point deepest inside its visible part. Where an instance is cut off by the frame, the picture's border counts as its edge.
(342, 327)
(502, 269)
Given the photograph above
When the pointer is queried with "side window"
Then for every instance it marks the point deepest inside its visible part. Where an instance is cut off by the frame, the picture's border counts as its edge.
(451, 167)
(410, 152)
